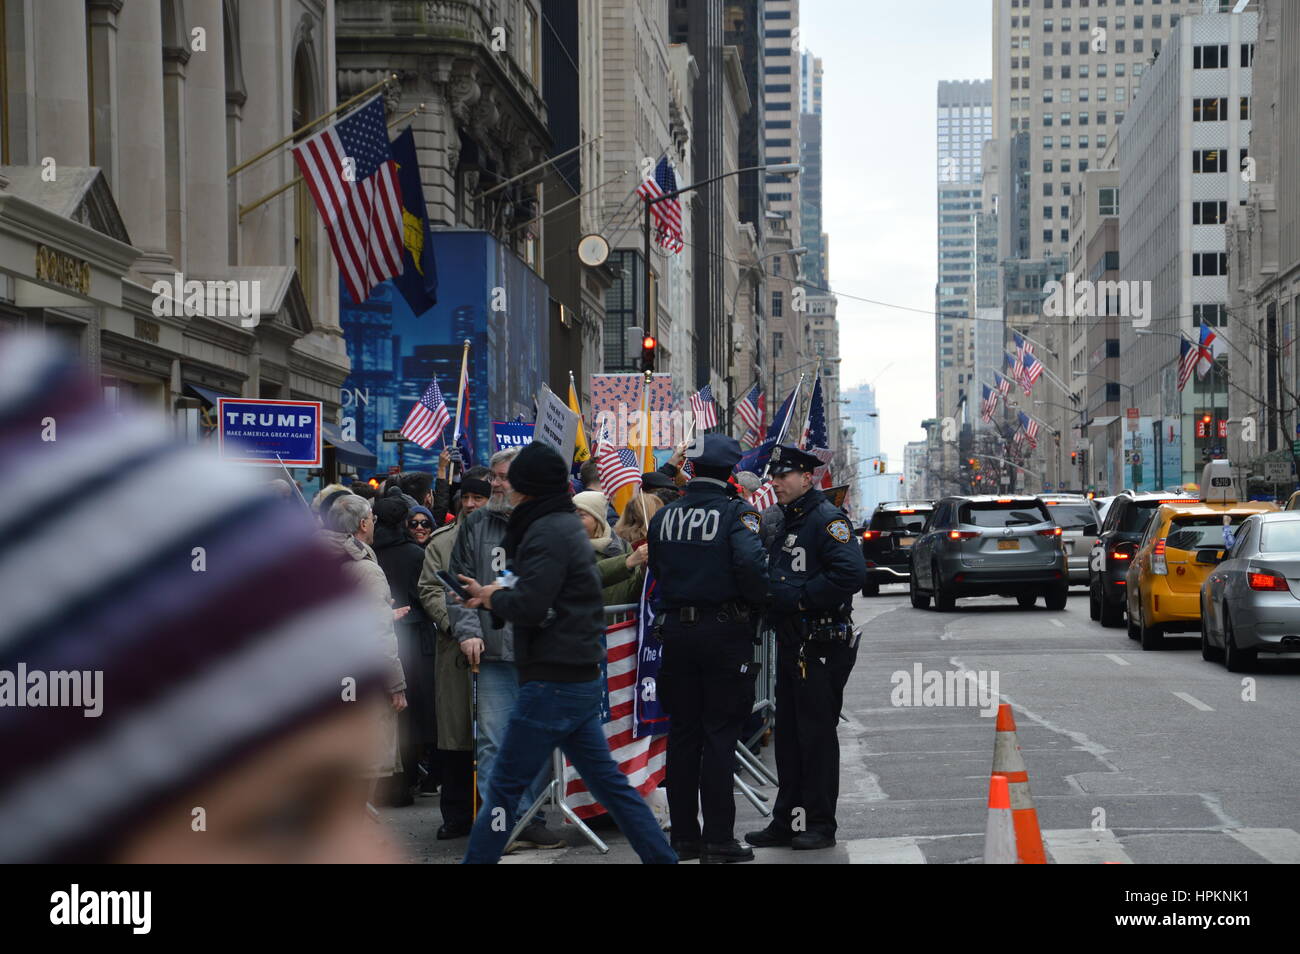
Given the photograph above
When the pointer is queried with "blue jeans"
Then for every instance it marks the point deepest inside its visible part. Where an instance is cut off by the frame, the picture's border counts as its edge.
(564, 714)
(498, 687)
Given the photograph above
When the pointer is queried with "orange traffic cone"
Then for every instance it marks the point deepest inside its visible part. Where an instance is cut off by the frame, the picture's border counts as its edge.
(1010, 764)
(1000, 834)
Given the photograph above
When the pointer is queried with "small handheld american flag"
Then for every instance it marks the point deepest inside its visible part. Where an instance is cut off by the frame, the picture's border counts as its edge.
(617, 468)
(428, 418)
(702, 406)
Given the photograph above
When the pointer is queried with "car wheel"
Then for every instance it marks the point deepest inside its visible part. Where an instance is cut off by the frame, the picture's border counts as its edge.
(1209, 652)
(1151, 636)
(871, 589)
(919, 600)
(944, 600)
(1094, 602)
(1026, 600)
(1056, 596)
(1236, 660)
(1112, 614)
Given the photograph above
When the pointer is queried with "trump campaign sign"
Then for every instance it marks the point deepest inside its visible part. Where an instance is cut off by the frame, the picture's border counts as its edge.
(254, 431)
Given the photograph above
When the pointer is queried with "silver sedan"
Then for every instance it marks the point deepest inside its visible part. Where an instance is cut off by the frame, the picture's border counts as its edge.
(1251, 602)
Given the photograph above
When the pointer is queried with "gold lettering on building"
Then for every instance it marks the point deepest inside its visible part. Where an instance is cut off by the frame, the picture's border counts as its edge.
(60, 268)
(147, 330)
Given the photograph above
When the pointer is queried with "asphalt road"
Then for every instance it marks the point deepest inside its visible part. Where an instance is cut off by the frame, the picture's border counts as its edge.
(1133, 757)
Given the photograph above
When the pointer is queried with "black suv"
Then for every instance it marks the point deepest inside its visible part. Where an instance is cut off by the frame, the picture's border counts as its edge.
(887, 542)
(1112, 552)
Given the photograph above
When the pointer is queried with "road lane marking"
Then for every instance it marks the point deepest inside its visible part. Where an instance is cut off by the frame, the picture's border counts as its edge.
(1083, 846)
(1193, 701)
(902, 850)
(1057, 622)
(1117, 660)
(1281, 846)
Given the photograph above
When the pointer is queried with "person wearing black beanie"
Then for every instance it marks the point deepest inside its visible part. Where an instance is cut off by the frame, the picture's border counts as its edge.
(556, 606)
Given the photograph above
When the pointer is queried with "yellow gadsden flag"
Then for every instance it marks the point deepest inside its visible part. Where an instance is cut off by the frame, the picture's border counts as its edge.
(581, 452)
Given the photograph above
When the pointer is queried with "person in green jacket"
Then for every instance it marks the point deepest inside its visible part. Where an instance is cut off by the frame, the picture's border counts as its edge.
(623, 576)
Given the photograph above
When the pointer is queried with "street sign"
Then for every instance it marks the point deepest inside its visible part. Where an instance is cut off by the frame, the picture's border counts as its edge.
(1277, 471)
(393, 437)
(1132, 415)
(255, 431)
(1295, 447)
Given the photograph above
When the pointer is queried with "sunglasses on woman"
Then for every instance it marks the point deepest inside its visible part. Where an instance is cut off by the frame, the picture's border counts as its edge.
(419, 524)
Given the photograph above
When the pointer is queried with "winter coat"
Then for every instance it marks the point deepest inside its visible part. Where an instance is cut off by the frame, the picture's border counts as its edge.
(620, 584)
(401, 559)
(479, 553)
(452, 675)
(555, 604)
(359, 562)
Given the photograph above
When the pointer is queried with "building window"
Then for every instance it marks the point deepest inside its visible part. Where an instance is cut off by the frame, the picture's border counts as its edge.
(778, 299)
(1209, 263)
(1047, 142)
(776, 143)
(1101, 117)
(1247, 55)
(1213, 57)
(1245, 107)
(528, 45)
(1047, 49)
(1101, 70)
(1065, 119)
(777, 124)
(1083, 119)
(1108, 201)
(1065, 165)
(776, 88)
(1047, 165)
(1101, 142)
(778, 344)
(1047, 72)
(1209, 213)
(1215, 316)
(1047, 119)
(1119, 46)
(1209, 109)
(1047, 188)
(1065, 72)
(1047, 211)
(1047, 95)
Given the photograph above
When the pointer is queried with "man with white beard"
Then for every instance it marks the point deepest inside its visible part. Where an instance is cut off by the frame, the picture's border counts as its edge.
(488, 642)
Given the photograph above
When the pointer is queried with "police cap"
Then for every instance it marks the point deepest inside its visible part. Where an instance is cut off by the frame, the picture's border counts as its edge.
(720, 454)
(786, 458)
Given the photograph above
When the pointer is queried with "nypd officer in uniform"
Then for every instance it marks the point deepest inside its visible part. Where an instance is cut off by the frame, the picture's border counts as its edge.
(711, 573)
(816, 568)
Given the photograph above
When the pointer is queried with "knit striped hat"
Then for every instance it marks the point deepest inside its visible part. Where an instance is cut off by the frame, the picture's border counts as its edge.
(217, 622)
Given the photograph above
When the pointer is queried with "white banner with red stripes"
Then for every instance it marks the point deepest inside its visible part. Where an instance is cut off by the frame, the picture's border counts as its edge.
(642, 760)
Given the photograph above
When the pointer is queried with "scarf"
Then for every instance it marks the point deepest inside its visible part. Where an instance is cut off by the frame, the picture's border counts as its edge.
(527, 512)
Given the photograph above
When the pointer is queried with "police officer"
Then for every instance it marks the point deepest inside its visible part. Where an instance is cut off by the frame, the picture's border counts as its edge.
(816, 567)
(711, 573)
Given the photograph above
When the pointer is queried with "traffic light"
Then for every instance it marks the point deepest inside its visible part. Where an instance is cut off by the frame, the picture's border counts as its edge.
(648, 345)
(1074, 458)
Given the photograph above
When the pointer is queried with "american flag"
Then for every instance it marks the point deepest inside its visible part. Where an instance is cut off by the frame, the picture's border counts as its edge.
(764, 496)
(1033, 370)
(643, 760)
(816, 438)
(1004, 384)
(617, 468)
(1030, 428)
(706, 414)
(1188, 355)
(990, 403)
(667, 214)
(750, 412)
(428, 418)
(350, 171)
(1011, 367)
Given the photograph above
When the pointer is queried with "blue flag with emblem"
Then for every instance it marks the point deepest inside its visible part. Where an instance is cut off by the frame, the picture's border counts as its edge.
(756, 459)
(418, 282)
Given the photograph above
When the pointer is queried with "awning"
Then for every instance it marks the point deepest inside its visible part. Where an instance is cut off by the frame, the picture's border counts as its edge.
(1103, 421)
(207, 395)
(348, 452)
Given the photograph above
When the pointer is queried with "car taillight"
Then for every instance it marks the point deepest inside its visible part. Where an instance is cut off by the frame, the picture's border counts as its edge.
(870, 534)
(1120, 555)
(1052, 532)
(1267, 581)
(1158, 564)
(962, 534)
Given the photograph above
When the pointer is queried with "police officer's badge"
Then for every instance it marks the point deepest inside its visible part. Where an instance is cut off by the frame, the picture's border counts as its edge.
(839, 529)
(750, 519)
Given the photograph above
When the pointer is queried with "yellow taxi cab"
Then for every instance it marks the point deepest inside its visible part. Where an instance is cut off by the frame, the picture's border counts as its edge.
(1293, 502)
(1182, 545)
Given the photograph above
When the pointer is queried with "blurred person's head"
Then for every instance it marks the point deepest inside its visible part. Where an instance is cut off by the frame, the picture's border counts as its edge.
(216, 720)
(633, 524)
(499, 478)
(419, 485)
(589, 474)
(748, 482)
(535, 470)
(363, 489)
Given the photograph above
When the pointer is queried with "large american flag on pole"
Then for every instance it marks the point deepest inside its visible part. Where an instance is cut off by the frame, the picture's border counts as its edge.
(989, 403)
(1188, 355)
(1030, 427)
(706, 414)
(643, 760)
(351, 174)
(816, 436)
(667, 214)
(428, 418)
(1033, 369)
(1003, 384)
(750, 412)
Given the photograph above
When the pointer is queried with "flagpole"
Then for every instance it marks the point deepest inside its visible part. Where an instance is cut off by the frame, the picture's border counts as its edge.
(460, 400)
(785, 424)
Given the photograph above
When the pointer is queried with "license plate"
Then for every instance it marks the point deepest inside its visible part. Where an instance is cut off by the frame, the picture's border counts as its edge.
(1008, 544)
(906, 542)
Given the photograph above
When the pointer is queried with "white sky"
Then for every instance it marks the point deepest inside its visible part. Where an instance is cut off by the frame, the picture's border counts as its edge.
(882, 62)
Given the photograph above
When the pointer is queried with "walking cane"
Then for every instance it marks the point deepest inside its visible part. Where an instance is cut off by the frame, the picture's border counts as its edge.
(474, 718)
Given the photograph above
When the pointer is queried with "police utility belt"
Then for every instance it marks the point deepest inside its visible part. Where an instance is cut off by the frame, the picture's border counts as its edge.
(721, 612)
(828, 629)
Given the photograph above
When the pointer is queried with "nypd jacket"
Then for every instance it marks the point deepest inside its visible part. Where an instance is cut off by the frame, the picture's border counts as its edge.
(705, 549)
(816, 563)
(479, 553)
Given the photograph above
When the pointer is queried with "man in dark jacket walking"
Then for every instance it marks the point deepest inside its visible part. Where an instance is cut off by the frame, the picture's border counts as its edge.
(553, 599)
